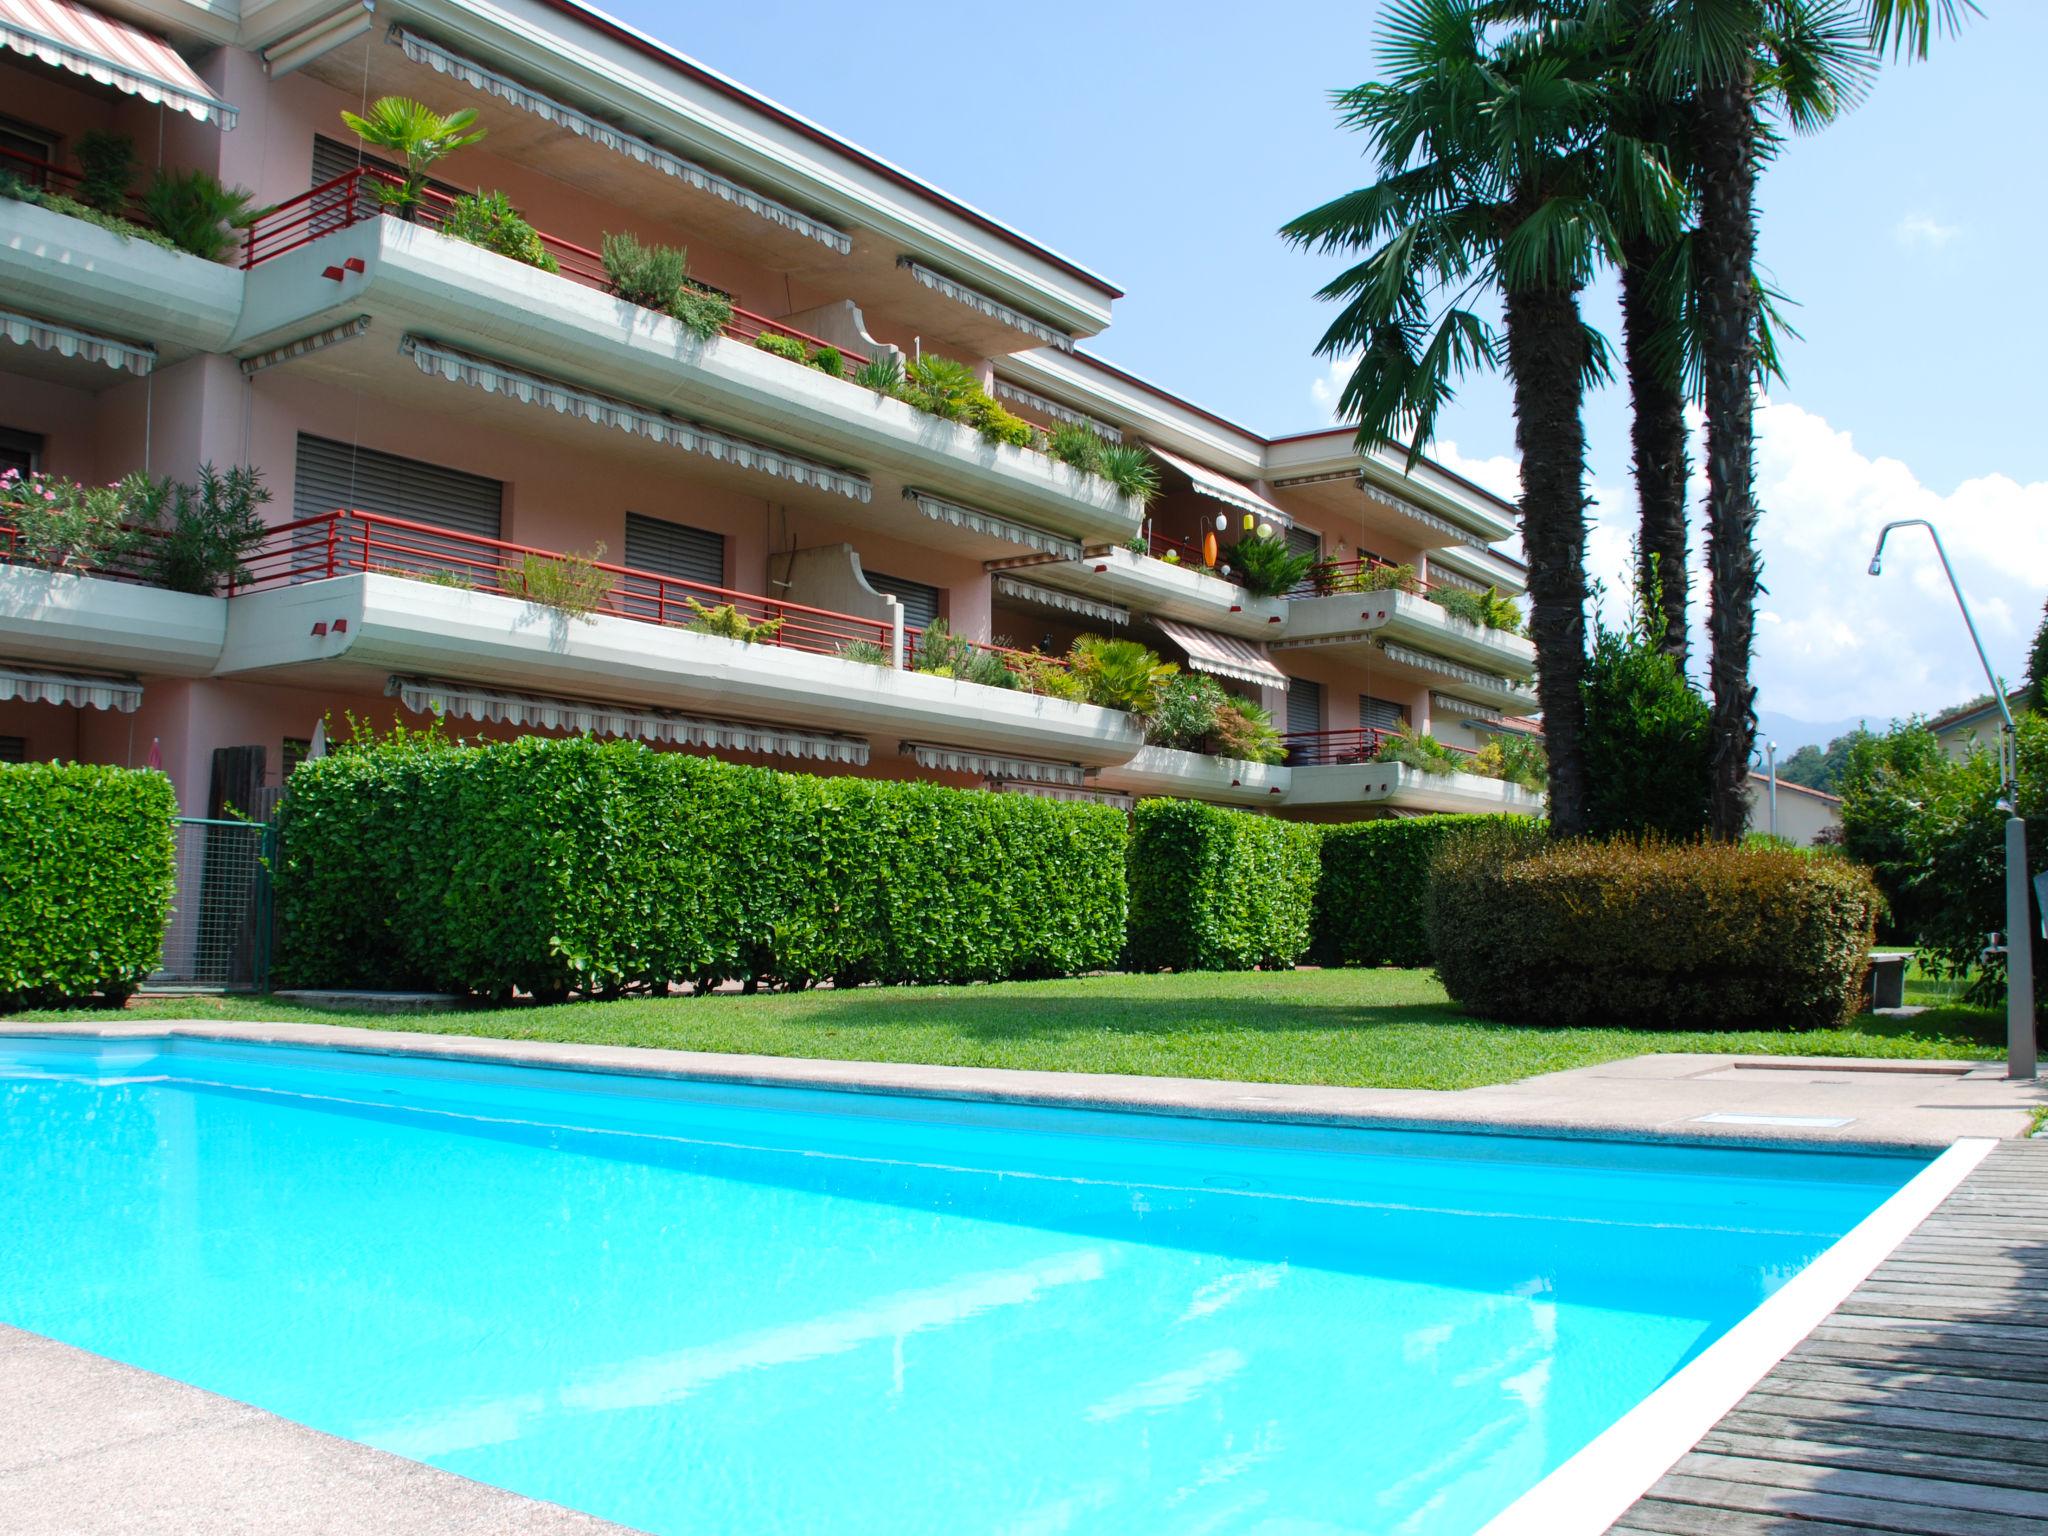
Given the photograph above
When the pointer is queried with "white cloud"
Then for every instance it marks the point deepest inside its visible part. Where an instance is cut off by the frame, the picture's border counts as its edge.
(1925, 231)
(1833, 643)
(1329, 388)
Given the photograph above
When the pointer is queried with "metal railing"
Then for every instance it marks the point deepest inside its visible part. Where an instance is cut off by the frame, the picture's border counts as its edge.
(351, 199)
(344, 542)
(136, 563)
(219, 930)
(48, 176)
(1363, 573)
(1359, 744)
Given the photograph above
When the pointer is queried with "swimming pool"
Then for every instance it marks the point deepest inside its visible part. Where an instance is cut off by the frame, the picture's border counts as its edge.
(698, 1309)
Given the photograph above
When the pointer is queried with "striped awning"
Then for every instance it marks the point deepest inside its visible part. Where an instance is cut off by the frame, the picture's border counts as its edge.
(437, 361)
(110, 51)
(82, 690)
(1222, 488)
(1032, 400)
(1224, 655)
(69, 341)
(1064, 602)
(1493, 683)
(1109, 797)
(982, 304)
(1451, 705)
(974, 520)
(491, 83)
(436, 696)
(992, 765)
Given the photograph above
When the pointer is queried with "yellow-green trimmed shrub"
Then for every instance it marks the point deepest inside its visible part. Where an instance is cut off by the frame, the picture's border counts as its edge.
(87, 868)
(1370, 904)
(552, 867)
(1650, 933)
(1218, 890)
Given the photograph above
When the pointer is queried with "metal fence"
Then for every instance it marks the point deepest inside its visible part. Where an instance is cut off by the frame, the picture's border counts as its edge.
(219, 932)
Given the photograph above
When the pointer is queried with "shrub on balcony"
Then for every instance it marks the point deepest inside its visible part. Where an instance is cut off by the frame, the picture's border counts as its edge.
(657, 277)
(940, 386)
(1419, 750)
(578, 866)
(1076, 445)
(1196, 713)
(86, 883)
(1367, 578)
(203, 532)
(106, 170)
(1514, 759)
(418, 135)
(883, 374)
(61, 525)
(727, 621)
(1218, 890)
(196, 213)
(1119, 674)
(944, 654)
(1487, 609)
(1633, 932)
(488, 219)
(1245, 731)
(1372, 904)
(1266, 566)
(778, 345)
(699, 310)
(569, 584)
(997, 425)
(1131, 470)
(12, 186)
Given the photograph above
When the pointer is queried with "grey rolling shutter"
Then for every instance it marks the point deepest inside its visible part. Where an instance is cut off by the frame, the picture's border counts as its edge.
(13, 749)
(1305, 541)
(920, 602)
(1381, 714)
(1304, 705)
(673, 549)
(335, 475)
(332, 158)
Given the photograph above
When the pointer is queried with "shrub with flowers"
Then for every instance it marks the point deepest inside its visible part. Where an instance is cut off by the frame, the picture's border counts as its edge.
(54, 522)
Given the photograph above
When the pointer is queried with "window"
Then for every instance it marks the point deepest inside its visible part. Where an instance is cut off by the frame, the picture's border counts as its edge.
(335, 475)
(1304, 705)
(920, 602)
(332, 158)
(13, 749)
(1381, 714)
(1305, 541)
(25, 150)
(20, 451)
(296, 750)
(675, 549)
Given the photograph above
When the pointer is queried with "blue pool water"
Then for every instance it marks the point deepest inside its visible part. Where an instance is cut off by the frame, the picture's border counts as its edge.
(699, 1309)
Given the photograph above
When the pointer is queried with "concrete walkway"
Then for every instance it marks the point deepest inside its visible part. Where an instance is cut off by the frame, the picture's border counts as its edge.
(88, 1445)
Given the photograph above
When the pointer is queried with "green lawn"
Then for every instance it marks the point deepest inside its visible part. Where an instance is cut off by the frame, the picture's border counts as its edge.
(1373, 1029)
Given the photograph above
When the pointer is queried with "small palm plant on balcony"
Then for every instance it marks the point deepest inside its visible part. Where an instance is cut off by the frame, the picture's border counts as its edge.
(418, 135)
(196, 213)
(1120, 674)
(1266, 566)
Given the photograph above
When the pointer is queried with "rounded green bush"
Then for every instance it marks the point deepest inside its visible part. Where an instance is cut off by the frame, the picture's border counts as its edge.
(1649, 933)
(1218, 890)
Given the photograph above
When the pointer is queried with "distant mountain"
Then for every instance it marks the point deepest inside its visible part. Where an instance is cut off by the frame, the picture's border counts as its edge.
(1792, 733)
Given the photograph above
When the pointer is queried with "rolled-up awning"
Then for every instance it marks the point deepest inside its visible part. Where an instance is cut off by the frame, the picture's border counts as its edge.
(1108, 797)
(1222, 488)
(992, 765)
(111, 51)
(69, 341)
(435, 696)
(989, 525)
(1065, 602)
(1223, 655)
(83, 690)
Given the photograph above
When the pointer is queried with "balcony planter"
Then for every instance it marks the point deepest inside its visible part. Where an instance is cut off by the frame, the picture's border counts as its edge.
(1396, 786)
(1167, 590)
(1198, 776)
(108, 626)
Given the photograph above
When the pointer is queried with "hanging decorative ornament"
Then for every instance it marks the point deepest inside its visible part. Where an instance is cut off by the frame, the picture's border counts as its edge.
(1222, 521)
(1250, 522)
(1265, 530)
(1209, 549)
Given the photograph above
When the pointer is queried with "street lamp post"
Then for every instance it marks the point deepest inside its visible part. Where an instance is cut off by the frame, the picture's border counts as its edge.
(2019, 920)
(1771, 752)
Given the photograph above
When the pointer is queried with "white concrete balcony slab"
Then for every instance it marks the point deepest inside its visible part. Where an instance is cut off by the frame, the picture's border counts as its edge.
(373, 626)
(1399, 787)
(1355, 618)
(1198, 776)
(108, 626)
(75, 273)
(408, 278)
(1161, 589)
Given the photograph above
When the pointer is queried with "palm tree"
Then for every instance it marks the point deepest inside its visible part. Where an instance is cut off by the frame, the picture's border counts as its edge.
(1495, 182)
(1734, 57)
(416, 134)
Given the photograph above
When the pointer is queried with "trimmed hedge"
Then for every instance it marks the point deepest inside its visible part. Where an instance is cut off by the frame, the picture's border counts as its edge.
(1650, 933)
(87, 868)
(1218, 890)
(552, 867)
(1370, 906)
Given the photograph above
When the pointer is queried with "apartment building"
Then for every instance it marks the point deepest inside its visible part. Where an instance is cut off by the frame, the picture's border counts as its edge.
(438, 423)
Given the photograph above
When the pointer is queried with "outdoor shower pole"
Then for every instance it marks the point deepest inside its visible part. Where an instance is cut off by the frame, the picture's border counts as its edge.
(2019, 916)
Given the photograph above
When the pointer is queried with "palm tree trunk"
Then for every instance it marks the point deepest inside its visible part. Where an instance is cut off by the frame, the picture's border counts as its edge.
(1657, 394)
(1726, 243)
(1547, 360)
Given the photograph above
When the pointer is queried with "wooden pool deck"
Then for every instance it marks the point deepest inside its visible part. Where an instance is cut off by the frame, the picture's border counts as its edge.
(1920, 1406)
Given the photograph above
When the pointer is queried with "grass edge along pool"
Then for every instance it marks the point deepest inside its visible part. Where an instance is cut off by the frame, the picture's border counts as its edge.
(696, 1308)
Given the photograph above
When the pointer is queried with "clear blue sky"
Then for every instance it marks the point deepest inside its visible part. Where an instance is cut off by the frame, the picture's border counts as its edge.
(1163, 145)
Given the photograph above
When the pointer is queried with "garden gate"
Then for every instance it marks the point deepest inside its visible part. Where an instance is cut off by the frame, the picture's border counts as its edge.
(219, 932)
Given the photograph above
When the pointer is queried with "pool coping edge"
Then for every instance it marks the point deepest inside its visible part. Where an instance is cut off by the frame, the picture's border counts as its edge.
(1597, 1485)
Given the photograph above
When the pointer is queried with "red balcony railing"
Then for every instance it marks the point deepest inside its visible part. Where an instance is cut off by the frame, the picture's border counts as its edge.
(351, 199)
(1364, 573)
(47, 176)
(1360, 744)
(344, 542)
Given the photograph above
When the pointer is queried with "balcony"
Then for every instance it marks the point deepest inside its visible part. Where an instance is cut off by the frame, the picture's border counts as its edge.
(1167, 580)
(1399, 624)
(1221, 780)
(164, 304)
(333, 259)
(356, 600)
(1399, 787)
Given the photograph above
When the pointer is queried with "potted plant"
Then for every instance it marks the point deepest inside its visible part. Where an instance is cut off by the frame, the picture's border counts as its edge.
(416, 134)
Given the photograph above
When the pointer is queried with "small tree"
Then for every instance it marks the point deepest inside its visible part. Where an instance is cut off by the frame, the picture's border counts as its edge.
(1648, 737)
(416, 134)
